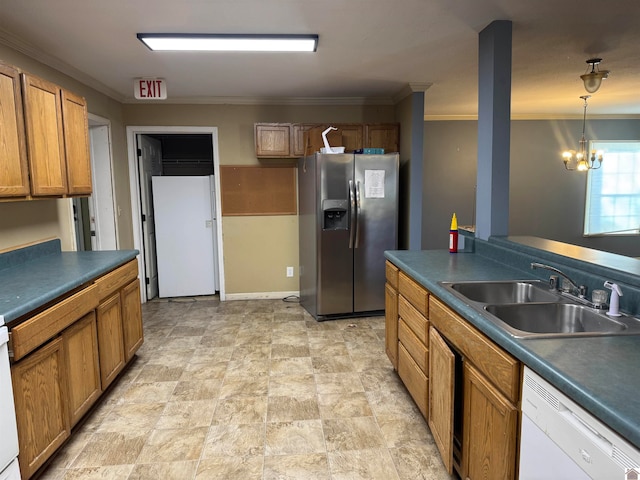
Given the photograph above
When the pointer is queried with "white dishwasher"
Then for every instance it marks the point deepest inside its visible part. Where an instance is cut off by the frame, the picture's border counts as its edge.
(561, 441)
(9, 469)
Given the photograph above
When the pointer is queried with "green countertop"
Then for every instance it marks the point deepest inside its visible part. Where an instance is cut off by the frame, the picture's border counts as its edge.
(37, 275)
(599, 373)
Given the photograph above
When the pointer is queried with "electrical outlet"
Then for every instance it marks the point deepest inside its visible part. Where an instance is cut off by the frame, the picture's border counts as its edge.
(289, 271)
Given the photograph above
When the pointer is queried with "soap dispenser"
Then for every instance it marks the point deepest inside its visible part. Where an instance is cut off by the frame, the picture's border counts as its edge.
(614, 301)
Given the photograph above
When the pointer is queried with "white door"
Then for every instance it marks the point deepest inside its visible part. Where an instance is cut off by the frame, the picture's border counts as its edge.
(184, 226)
(149, 164)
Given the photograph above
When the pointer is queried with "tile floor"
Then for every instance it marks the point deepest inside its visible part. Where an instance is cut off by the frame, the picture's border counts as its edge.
(253, 390)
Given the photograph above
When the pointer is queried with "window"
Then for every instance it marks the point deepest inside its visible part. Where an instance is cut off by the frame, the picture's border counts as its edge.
(612, 206)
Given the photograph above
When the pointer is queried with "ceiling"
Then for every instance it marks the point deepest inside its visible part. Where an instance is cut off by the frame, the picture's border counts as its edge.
(369, 51)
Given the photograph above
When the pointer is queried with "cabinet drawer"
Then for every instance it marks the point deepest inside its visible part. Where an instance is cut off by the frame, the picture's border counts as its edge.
(414, 292)
(414, 346)
(109, 283)
(38, 329)
(494, 363)
(414, 379)
(414, 319)
(392, 274)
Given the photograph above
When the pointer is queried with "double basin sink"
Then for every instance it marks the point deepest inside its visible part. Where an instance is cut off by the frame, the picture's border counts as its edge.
(528, 309)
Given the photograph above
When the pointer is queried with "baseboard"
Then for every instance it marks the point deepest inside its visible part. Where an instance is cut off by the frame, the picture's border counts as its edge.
(260, 295)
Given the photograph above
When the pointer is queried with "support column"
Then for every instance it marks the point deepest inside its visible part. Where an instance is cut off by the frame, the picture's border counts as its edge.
(416, 171)
(494, 129)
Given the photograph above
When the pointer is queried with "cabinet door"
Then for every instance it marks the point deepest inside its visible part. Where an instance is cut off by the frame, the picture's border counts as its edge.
(45, 141)
(14, 181)
(273, 140)
(441, 396)
(76, 141)
(131, 319)
(39, 389)
(297, 139)
(385, 136)
(490, 424)
(351, 137)
(110, 346)
(391, 324)
(83, 370)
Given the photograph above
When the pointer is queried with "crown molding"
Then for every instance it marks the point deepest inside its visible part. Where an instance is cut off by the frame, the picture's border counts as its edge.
(265, 101)
(409, 88)
(12, 41)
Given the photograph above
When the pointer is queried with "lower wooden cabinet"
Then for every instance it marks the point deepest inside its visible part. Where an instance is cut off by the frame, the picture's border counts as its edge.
(40, 393)
(110, 344)
(391, 323)
(441, 396)
(131, 319)
(67, 355)
(490, 429)
(83, 370)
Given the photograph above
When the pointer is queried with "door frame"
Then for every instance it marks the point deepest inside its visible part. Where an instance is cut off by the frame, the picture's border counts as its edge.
(134, 188)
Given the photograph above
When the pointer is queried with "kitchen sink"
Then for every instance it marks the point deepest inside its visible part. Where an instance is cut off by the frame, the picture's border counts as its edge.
(528, 309)
(504, 291)
(559, 319)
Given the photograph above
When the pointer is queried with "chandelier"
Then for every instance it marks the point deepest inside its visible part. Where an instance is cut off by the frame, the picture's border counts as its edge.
(583, 160)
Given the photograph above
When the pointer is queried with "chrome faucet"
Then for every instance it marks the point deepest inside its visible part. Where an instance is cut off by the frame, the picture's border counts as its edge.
(580, 291)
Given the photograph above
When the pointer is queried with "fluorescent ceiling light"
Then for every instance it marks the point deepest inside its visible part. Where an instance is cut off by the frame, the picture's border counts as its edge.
(229, 42)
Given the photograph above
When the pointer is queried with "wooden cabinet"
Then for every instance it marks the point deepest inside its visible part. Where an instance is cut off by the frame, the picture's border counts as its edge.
(287, 140)
(441, 396)
(44, 139)
(413, 328)
(473, 397)
(391, 313)
(40, 392)
(466, 386)
(131, 319)
(83, 370)
(490, 429)
(14, 181)
(119, 318)
(110, 338)
(66, 355)
(273, 139)
(382, 135)
(76, 140)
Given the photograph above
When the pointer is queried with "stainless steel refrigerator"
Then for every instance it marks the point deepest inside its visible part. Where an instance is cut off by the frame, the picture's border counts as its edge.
(348, 217)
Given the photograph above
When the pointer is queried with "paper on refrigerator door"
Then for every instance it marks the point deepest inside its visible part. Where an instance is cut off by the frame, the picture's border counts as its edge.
(374, 183)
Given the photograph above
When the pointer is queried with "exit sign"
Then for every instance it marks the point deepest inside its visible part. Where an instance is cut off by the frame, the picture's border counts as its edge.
(150, 89)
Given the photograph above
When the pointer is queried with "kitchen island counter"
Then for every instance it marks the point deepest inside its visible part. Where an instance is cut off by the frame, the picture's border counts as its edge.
(599, 373)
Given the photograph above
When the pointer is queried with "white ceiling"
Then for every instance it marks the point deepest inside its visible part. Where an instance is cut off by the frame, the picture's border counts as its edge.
(369, 50)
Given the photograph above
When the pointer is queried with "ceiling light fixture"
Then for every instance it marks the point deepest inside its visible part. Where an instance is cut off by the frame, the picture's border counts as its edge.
(593, 79)
(582, 160)
(229, 42)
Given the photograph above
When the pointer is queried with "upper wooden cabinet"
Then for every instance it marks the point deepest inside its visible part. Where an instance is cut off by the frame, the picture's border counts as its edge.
(44, 139)
(295, 140)
(14, 181)
(76, 141)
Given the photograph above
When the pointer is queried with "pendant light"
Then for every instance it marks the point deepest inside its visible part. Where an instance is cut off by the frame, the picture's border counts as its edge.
(581, 159)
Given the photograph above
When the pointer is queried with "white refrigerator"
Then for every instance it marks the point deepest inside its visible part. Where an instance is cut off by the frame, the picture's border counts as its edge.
(185, 226)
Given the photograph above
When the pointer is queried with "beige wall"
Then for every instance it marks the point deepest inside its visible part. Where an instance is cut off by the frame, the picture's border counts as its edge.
(27, 222)
(257, 250)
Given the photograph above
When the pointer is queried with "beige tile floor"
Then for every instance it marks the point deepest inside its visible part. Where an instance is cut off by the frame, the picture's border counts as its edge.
(253, 390)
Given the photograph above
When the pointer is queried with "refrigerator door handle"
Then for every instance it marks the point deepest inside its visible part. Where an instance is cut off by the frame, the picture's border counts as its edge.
(352, 214)
(358, 213)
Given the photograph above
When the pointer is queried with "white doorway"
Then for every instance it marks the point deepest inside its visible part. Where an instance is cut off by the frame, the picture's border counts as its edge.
(95, 222)
(136, 172)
